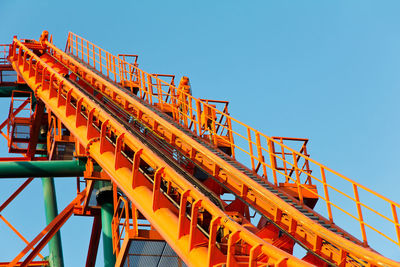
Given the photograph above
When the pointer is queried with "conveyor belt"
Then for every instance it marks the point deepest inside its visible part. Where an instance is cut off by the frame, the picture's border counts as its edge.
(288, 206)
(67, 102)
(187, 175)
(155, 149)
(229, 160)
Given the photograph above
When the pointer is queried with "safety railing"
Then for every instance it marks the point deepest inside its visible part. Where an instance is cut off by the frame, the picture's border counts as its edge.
(4, 50)
(181, 197)
(120, 223)
(373, 212)
(7, 75)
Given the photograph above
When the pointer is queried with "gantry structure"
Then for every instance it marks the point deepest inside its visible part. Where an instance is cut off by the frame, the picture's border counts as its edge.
(170, 179)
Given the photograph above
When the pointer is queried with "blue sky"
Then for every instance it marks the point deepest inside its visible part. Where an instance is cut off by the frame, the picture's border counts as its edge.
(323, 70)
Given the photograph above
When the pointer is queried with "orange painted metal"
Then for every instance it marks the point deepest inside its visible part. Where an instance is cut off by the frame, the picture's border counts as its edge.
(15, 194)
(33, 263)
(191, 234)
(112, 71)
(73, 107)
(302, 175)
(18, 233)
(47, 233)
(7, 202)
(94, 242)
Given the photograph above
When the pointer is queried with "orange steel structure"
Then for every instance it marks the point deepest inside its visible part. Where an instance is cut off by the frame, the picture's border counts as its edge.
(172, 158)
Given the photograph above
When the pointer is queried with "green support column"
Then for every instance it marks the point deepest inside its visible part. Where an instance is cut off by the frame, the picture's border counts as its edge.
(51, 211)
(105, 200)
(50, 205)
(107, 212)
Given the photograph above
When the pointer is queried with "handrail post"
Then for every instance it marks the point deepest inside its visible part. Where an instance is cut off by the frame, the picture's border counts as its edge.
(284, 160)
(272, 160)
(87, 51)
(198, 109)
(94, 56)
(101, 65)
(260, 156)
(82, 49)
(327, 200)
(296, 168)
(253, 167)
(360, 216)
(232, 143)
(396, 220)
(114, 67)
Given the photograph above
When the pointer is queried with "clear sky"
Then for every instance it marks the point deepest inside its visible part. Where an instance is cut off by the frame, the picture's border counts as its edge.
(323, 70)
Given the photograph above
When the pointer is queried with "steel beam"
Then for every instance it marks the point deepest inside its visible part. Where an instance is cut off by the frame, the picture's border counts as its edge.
(56, 168)
(50, 203)
(48, 232)
(94, 242)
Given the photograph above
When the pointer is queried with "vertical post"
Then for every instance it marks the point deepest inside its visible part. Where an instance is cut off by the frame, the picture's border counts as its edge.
(114, 67)
(215, 222)
(231, 137)
(272, 158)
(104, 199)
(328, 202)
(284, 160)
(82, 50)
(298, 182)
(149, 89)
(190, 106)
(108, 65)
(198, 109)
(253, 166)
(260, 155)
(94, 56)
(307, 164)
(396, 221)
(101, 64)
(87, 51)
(51, 212)
(360, 216)
(50, 204)
(255, 251)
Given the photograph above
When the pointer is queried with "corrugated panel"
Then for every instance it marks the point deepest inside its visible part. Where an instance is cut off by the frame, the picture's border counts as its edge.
(170, 261)
(151, 254)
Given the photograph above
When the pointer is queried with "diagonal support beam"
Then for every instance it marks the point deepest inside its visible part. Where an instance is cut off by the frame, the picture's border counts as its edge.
(17, 233)
(94, 242)
(33, 263)
(47, 233)
(15, 194)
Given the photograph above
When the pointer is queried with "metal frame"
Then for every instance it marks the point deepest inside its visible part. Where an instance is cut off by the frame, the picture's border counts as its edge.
(176, 208)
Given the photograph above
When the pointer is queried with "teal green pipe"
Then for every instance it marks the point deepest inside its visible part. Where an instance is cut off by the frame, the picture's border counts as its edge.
(61, 168)
(56, 168)
(55, 258)
(6, 91)
(50, 204)
(104, 197)
(107, 211)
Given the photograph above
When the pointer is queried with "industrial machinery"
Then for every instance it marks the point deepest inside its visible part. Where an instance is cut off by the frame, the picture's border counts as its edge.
(170, 179)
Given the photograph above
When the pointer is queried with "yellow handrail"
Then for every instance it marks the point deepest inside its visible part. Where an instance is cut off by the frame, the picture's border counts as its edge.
(248, 144)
